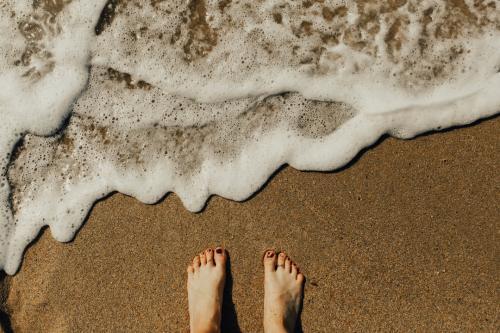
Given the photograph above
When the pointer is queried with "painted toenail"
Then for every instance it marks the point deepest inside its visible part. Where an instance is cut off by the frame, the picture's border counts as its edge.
(209, 250)
(270, 254)
(218, 250)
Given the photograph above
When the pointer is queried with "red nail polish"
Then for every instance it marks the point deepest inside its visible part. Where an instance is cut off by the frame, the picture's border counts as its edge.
(218, 250)
(270, 254)
(209, 250)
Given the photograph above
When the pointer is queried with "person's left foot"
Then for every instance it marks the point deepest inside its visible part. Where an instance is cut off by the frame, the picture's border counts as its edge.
(206, 278)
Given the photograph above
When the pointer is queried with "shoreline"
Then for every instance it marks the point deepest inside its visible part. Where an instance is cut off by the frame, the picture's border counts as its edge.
(403, 237)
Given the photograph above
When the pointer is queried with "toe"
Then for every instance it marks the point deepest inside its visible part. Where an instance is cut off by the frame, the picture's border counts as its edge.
(288, 265)
(203, 259)
(196, 262)
(294, 270)
(190, 270)
(270, 261)
(209, 254)
(281, 259)
(300, 278)
(220, 256)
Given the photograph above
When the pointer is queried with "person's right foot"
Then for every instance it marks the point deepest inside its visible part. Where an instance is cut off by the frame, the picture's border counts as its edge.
(283, 288)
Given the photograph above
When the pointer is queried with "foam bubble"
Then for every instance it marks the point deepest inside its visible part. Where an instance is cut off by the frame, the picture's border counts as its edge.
(211, 97)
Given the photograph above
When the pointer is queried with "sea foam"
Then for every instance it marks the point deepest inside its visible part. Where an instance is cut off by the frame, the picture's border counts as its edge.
(206, 97)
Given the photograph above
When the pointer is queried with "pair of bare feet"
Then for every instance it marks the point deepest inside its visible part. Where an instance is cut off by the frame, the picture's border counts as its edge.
(283, 289)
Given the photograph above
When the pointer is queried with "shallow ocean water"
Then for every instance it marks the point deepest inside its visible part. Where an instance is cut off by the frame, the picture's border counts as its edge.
(206, 97)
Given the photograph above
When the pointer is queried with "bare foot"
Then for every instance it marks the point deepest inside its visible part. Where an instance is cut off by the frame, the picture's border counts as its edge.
(206, 277)
(283, 288)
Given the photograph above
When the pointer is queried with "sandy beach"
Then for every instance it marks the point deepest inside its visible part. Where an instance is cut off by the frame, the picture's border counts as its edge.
(403, 239)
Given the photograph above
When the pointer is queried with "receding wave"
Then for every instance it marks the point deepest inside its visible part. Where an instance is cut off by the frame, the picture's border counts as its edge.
(210, 97)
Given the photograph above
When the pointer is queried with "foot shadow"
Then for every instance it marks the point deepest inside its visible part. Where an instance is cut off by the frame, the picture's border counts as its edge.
(229, 321)
(298, 325)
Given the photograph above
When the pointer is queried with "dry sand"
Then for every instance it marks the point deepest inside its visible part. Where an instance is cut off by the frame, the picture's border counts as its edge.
(404, 239)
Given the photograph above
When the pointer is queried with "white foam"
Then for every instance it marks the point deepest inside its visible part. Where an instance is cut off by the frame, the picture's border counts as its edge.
(33, 103)
(189, 97)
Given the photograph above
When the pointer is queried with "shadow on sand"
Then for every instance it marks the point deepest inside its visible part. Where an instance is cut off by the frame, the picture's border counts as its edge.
(5, 324)
(229, 319)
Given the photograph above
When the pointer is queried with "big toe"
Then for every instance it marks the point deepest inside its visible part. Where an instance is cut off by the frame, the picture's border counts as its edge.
(270, 261)
(220, 257)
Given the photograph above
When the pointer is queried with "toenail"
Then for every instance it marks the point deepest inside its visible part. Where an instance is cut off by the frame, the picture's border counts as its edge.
(218, 250)
(209, 250)
(270, 254)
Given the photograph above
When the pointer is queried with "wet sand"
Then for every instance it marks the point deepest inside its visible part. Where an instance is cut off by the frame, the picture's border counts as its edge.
(404, 239)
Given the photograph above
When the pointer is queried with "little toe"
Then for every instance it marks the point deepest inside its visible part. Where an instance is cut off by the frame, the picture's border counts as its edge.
(281, 259)
(203, 259)
(209, 254)
(300, 278)
(220, 256)
(196, 262)
(270, 261)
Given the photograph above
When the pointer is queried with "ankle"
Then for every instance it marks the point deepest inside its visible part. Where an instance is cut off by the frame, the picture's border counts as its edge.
(206, 328)
(277, 325)
(275, 329)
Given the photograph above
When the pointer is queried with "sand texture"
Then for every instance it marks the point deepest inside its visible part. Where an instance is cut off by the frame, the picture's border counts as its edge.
(403, 239)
